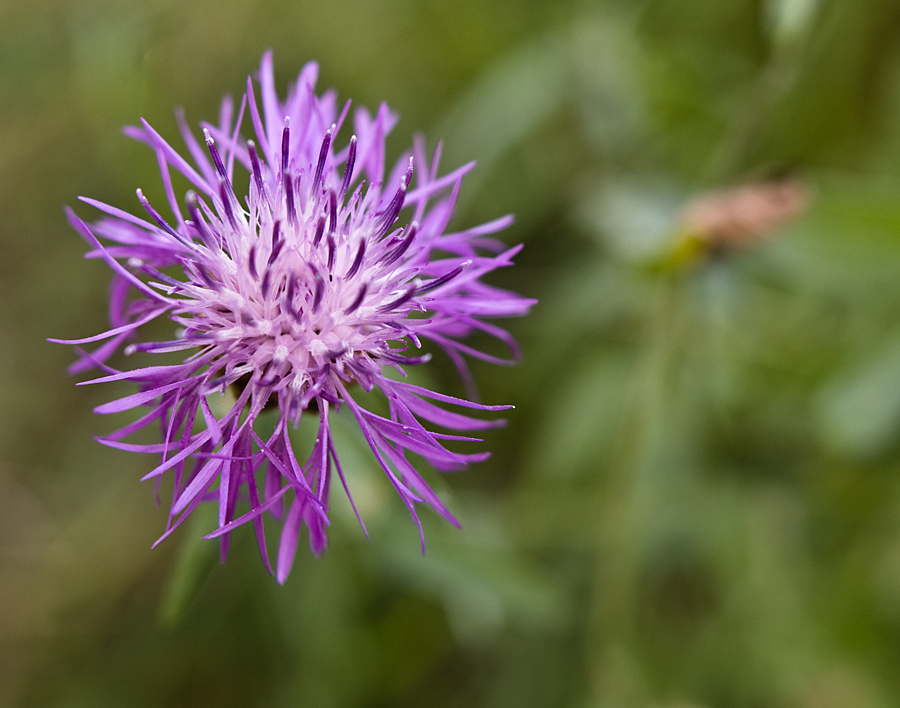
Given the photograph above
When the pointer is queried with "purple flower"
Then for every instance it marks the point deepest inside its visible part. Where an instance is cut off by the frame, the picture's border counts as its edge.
(299, 297)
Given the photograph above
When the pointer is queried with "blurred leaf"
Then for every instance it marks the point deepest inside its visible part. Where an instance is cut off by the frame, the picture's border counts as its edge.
(580, 421)
(512, 98)
(787, 20)
(484, 588)
(636, 217)
(859, 412)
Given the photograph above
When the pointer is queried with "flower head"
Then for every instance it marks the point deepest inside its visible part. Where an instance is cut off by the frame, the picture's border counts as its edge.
(297, 296)
(744, 215)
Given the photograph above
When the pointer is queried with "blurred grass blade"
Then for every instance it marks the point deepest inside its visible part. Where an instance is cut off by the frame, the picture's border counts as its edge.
(196, 559)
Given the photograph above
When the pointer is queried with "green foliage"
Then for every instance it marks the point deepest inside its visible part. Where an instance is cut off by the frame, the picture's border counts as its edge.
(696, 502)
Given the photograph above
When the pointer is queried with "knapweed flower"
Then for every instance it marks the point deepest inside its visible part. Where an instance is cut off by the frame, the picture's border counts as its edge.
(299, 297)
(743, 216)
(718, 223)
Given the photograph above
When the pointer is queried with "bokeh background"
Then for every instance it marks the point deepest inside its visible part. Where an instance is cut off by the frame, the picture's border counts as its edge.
(696, 502)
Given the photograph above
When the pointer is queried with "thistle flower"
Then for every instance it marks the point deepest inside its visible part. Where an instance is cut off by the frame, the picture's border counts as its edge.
(298, 296)
(744, 215)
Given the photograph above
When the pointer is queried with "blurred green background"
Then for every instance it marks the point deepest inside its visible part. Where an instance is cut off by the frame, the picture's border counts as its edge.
(696, 502)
